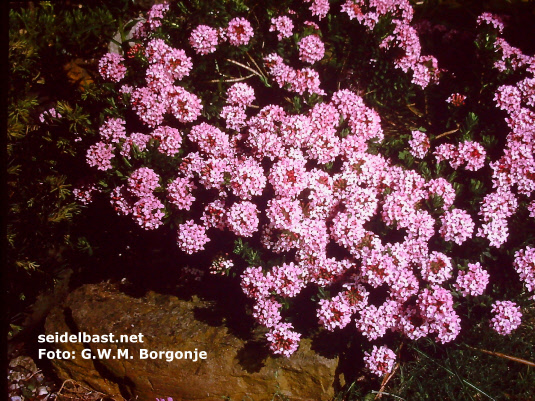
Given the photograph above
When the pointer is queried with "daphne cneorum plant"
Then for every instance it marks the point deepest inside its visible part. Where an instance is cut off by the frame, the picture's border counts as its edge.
(261, 125)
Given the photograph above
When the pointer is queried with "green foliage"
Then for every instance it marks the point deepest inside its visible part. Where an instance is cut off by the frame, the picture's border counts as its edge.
(45, 160)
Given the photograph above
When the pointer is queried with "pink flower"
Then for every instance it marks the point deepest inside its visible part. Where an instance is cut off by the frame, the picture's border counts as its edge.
(221, 265)
(283, 25)
(288, 176)
(169, 139)
(149, 106)
(456, 99)
(49, 114)
(320, 8)
(507, 317)
(155, 14)
(524, 265)
(435, 306)
(240, 94)
(148, 212)
(113, 130)
(255, 284)
(441, 187)
(419, 144)
(288, 279)
(437, 269)
(242, 218)
(474, 281)
(491, 19)
(179, 192)
(239, 31)
(210, 140)
(266, 311)
(84, 193)
(283, 340)
(111, 67)
(380, 360)
(192, 237)
(185, 106)
(334, 313)
(473, 153)
(204, 39)
(121, 200)
(143, 182)
(99, 155)
(311, 49)
(457, 226)
(247, 179)
(234, 116)
(136, 139)
(352, 8)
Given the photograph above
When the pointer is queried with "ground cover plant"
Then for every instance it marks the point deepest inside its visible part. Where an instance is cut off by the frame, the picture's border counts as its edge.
(363, 168)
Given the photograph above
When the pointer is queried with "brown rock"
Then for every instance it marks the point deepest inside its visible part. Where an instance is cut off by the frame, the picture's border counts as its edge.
(232, 368)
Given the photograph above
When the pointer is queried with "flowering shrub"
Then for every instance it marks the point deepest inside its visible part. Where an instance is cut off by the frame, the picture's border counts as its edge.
(218, 130)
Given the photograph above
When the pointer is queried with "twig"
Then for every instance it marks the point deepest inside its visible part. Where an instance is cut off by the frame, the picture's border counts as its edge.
(415, 110)
(254, 62)
(499, 354)
(245, 66)
(447, 133)
(214, 81)
(78, 385)
(380, 393)
(385, 382)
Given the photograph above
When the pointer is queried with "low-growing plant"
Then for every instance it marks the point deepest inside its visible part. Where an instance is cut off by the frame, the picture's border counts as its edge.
(337, 156)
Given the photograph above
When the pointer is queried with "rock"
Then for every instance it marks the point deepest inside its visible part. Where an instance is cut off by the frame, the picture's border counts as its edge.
(233, 368)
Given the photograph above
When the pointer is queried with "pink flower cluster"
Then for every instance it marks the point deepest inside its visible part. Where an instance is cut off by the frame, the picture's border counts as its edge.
(495, 209)
(457, 226)
(143, 181)
(456, 99)
(169, 140)
(239, 32)
(380, 360)
(242, 218)
(240, 94)
(192, 237)
(319, 8)
(205, 39)
(419, 144)
(221, 265)
(283, 26)
(49, 114)
(283, 340)
(474, 281)
(113, 130)
(167, 64)
(99, 155)
(469, 152)
(155, 15)
(148, 212)
(404, 36)
(300, 81)
(524, 265)
(111, 67)
(497, 22)
(179, 192)
(311, 49)
(512, 57)
(84, 193)
(507, 317)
